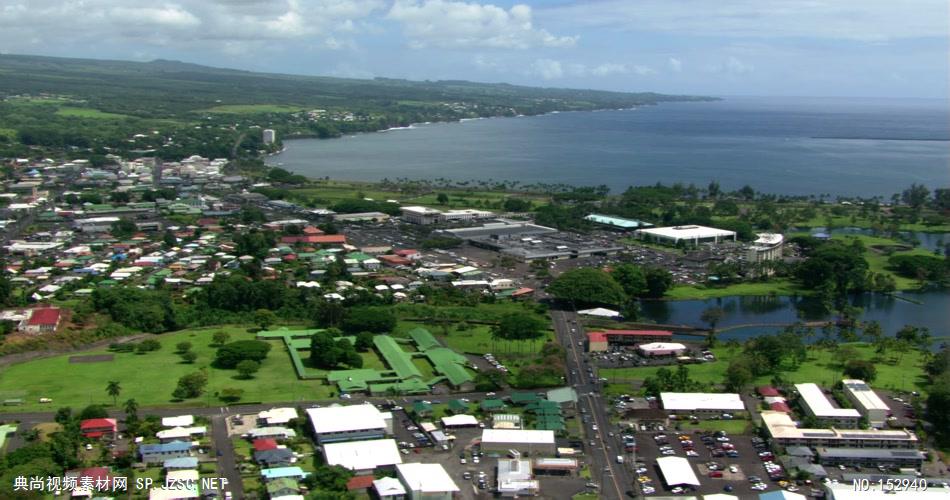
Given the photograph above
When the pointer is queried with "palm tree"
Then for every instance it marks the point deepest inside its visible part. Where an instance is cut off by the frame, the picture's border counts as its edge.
(113, 389)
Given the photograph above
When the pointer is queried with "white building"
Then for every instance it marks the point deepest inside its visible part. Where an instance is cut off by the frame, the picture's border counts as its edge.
(95, 224)
(819, 406)
(426, 481)
(268, 136)
(531, 441)
(515, 478)
(662, 349)
(363, 457)
(866, 401)
(389, 488)
(701, 402)
(276, 416)
(421, 215)
(688, 234)
(785, 432)
(766, 247)
(349, 423)
(677, 471)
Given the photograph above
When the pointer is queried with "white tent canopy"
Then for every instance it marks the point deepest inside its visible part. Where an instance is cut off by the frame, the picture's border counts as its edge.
(601, 312)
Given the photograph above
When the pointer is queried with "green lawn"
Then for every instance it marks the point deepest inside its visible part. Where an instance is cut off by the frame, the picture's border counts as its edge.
(822, 367)
(773, 287)
(727, 426)
(477, 340)
(877, 261)
(88, 113)
(151, 378)
(254, 108)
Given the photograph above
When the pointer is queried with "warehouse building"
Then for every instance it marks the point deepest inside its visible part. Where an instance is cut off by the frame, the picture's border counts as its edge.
(819, 406)
(866, 401)
(349, 423)
(363, 457)
(701, 403)
(426, 481)
(617, 223)
(655, 349)
(533, 442)
(785, 432)
(871, 457)
(692, 235)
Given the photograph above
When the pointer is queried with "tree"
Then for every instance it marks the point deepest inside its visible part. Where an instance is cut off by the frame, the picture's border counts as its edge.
(93, 411)
(739, 374)
(489, 380)
(915, 196)
(123, 228)
(169, 239)
(248, 368)
(113, 389)
(938, 408)
(364, 341)
(327, 353)
(131, 407)
(369, 319)
(182, 347)
(231, 394)
(220, 337)
(264, 318)
(860, 369)
(229, 355)
(586, 285)
(659, 280)
(712, 316)
(189, 357)
(519, 326)
(442, 199)
(631, 278)
(191, 385)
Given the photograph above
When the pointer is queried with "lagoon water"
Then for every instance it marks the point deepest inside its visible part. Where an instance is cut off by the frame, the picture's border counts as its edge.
(779, 145)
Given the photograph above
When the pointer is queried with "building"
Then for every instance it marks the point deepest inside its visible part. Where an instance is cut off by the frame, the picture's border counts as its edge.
(871, 457)
(349, 423)
(701, 403)
(181, 463)
(866, 401)
(277, 457)
(421, 215)
(514, 478)
(662, 349)
(426, 481)
(276, 416)
(602, 341)
(389, 488)
(692, 235)
(767, 247)
(158, 453)
(617, 223)
(785, 432)
(677, 471)
(459, 421)
(531, 441)
(95, 224)
(268, 136)
(43, 320)
(782, 495)
(818, 405)
(98, 427)
(363, 457)
(179, 421)
(556, 466)
(180, 433)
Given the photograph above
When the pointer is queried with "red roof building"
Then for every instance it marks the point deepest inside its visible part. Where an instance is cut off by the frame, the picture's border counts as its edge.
(42, 320)
(98, 427)
(327, 239)
(360, 483)
(408, 253)
(780, 406)
(767, 391)
(265, 444)
(602, 340)
(394, 260)
(312, 231)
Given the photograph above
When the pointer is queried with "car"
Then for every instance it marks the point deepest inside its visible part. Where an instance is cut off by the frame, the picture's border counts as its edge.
(715, 473)
(593, 427)
(463, 461)
(475, 460)
(404, 451)
(647, 490)
(733, 469)
(668, 452)
(677, 490)
(466, 475)
(88, 446)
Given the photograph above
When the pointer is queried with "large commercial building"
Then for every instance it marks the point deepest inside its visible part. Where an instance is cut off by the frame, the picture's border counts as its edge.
(349, 423)
(662, 349)
(515, 478)
(785, 432)
(871, 457)
(602, 341)
(692, 403)
(767, 246)
(617, 223)
(818, 405)
(363, 457)
(427, 216)
(866, 401)
(531, 441)
(692, 235)
(426, 481)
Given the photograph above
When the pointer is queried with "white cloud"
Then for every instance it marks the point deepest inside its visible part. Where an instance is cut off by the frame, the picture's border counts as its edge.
(547, 69)
(458, 24)
(608, 69)
(735, 66)
(643, 70)
(865, 20)
(676, 65)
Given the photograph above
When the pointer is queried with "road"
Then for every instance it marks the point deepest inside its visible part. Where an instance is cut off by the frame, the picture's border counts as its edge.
(227, 465)
(616, 478)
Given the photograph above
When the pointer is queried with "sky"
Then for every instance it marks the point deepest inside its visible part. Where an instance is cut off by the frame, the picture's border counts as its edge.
(856, 48)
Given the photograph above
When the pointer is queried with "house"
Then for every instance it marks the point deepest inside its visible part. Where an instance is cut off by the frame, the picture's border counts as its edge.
(389, 488)
(155, 453)
(272, 432)
(276, 416)
(265, 444)
(181, 463)
(282, 487)
(282, 472)
(363, 457)
(277, 457)
(180, 433)
(43, 320)
(98, 427)
(348, 423)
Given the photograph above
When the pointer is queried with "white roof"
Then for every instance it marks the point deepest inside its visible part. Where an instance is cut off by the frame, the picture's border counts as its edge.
(426, 478)
(272, 431)
(687, 232)
(517, 436)
(701, 401)
(421, 210)
(600, 311)
(278, 415)
(362, 455)
(786, 495)
(677, 471)
(780, 425)
(815, 399)
(662, 346)
(864, 395)
(179, 476)
(388, 486)
(179, 421)
(346, 418)
(720, 496)
(173, 494)
(768, 239)
(180, 432)
(459, 420)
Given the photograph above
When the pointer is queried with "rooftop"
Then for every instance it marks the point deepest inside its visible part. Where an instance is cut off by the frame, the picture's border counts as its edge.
(427, 478)
(864, 395)
(345, 418)
(362, 455)
(780, 425)
(701, 401)
(517, 436)
(677, 471)
(820, 405)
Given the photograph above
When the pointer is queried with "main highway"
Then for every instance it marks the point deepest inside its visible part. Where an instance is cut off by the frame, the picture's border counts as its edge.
(615, 479)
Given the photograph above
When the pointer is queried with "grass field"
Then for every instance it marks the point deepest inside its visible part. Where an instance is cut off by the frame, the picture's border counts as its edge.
(151, 378)
(727, 426)
(822, 367)
(477, 340)
(250, 109)
(774, 287)
(89, 113)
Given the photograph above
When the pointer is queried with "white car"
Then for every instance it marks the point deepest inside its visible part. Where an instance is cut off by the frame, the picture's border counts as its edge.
(733, 469)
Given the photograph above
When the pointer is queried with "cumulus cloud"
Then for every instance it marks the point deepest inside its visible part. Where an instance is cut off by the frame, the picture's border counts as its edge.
(458, 24)
(608, 69)
(676, 65)
(547, 69)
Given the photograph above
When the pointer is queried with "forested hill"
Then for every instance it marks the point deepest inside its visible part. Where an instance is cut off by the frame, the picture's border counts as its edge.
(168, 89)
